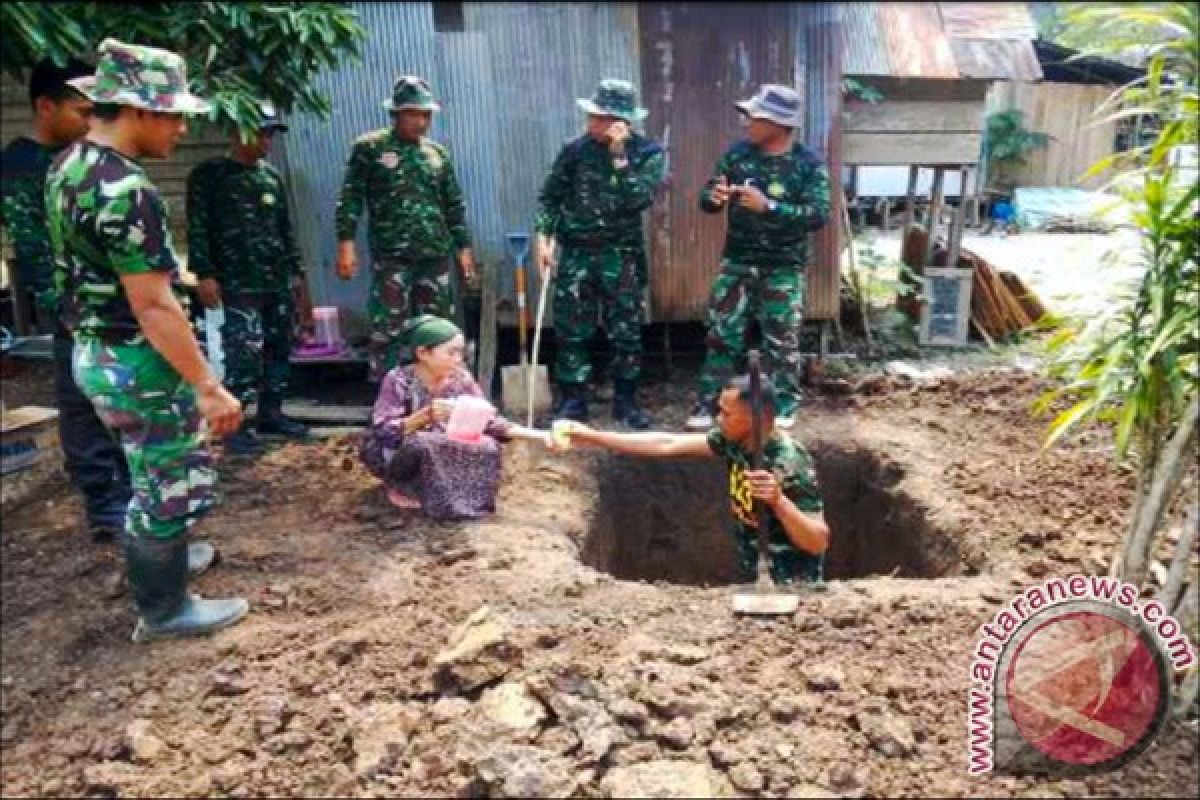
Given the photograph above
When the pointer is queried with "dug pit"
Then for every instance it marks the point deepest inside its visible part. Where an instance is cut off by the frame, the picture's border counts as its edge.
(656, 520)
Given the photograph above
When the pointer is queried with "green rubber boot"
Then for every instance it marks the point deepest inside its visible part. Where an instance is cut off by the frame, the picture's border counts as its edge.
(157, 570)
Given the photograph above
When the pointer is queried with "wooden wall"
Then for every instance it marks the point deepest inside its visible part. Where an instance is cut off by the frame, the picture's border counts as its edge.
(918, 121)
(1066, 112)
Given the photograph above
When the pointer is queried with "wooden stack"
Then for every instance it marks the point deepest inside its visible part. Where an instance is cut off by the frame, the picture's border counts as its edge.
(1001, 303)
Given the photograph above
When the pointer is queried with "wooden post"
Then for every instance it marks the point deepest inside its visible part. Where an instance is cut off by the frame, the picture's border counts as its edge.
(956, 227)
(935, 210)
(488, 330)
(887, 213)
(910, 208)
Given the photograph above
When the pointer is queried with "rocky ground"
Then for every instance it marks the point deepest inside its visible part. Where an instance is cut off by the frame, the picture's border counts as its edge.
(387, 656)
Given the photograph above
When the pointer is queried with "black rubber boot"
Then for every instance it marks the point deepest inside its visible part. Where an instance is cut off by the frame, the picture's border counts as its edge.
(626, 410)
(271, 419)
(157, 571)
(572, 403)
(243, 442)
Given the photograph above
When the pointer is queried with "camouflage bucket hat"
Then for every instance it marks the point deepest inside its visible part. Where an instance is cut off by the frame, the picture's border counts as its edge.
(780, 104)
(614, 98)
(142, 77)
(411, 91)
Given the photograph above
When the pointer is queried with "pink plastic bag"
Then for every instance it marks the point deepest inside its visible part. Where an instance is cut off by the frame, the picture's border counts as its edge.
(468, 419)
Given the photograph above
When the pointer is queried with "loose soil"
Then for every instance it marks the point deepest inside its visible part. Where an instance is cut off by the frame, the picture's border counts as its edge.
(607, 585)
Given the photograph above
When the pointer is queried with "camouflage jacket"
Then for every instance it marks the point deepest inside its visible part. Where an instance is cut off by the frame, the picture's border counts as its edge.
(414, 204)
(587, 201)
(797, 181)
(106, 219)
(25, 163)
(239, 231)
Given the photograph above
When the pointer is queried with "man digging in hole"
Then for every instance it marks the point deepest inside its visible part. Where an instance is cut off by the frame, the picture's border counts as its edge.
(798, 535)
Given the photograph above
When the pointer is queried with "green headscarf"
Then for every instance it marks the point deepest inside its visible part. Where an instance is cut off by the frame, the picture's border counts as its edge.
(429, 331)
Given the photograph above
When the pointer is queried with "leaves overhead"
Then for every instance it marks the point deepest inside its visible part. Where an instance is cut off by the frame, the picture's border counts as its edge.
(237, 53)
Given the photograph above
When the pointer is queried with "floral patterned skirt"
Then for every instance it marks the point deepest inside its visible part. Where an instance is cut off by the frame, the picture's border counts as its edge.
(452, 479)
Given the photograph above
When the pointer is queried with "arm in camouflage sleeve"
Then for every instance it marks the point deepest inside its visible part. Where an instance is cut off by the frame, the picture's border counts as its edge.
(24, 220)
(809, 210)
(455, 208)
(354, 190)
(639, 180)
(292, 255)
(706, 202)
(200, 187)
(554, 193)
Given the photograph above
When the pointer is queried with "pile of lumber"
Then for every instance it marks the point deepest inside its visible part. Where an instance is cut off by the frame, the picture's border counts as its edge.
(1001, 303)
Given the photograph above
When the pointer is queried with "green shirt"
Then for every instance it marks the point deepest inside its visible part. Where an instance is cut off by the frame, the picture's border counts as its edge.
(239, 231)
(414, 203)
(25, 163)
(106, 219)
(588, 201)
(799, 184)
(792, 466)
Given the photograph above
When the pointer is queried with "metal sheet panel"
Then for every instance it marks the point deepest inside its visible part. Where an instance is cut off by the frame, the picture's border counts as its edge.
(698, 59)
(916, 43)
(400, 39)
(864, 46)
(996, 59)
(823, 134)
(988, 21)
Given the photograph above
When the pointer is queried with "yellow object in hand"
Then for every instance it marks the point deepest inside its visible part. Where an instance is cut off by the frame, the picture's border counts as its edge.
(561, 432)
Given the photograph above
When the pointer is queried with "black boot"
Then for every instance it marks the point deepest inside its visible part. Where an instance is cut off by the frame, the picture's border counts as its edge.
(625, 407)
(572, 402)
(271, 419)
(243, 442)
(157, 571)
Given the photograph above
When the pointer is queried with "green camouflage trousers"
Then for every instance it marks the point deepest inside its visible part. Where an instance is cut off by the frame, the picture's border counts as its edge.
(145, 402)
(257, 340)
(403, 288)
(775, 297)
(592, 285)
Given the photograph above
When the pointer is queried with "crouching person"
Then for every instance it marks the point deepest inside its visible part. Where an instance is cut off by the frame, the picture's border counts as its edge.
(798, 535)
(406, 445)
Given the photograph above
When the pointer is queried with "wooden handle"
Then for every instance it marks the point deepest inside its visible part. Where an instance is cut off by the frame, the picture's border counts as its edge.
(522, 308)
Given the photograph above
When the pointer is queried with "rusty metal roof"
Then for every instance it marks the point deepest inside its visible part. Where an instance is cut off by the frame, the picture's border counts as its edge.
(939, 40)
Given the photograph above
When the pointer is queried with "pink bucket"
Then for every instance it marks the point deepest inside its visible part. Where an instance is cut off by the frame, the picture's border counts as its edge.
(469, 418)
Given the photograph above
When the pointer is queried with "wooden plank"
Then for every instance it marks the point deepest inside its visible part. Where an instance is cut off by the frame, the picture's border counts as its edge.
(951, 149)
(925, 116)
(956, 228)
(941, 91)
(935, 210)
(910, 197)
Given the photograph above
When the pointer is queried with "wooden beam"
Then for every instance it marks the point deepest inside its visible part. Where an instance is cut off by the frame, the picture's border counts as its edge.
(948, 149)
(913, 117)
(956, 227)
(935, 210)
(910, 208)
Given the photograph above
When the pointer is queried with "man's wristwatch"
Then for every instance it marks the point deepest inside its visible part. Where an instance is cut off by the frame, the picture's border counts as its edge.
(772, 204)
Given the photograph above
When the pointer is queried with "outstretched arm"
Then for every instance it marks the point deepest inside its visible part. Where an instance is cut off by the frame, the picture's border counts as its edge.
(653, 445)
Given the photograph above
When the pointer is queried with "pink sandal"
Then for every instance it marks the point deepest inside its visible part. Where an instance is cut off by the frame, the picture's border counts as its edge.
(400, 500)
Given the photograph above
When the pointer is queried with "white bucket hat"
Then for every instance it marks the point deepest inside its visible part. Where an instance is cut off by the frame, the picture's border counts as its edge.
(778, 103)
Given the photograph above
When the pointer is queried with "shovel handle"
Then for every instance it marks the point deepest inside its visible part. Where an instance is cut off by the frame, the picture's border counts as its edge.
(522, 308)
(761, 511)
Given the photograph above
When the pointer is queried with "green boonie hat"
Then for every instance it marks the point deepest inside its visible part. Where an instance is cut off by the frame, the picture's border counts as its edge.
(411, 91)
(614, 98)
(142, 77)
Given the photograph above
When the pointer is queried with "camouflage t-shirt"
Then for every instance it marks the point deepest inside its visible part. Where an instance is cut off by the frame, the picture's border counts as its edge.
(797, 181)
(414, 204)
(239, 231)
(106, 219)
(792, 466)
(586, 200)
(23, 169)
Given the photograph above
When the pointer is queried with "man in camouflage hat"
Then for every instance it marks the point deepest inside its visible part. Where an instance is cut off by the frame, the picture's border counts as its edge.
(93, 458)
(136, 356)
(591, 204)
(776, 192)
(416, 217)
(241, 247)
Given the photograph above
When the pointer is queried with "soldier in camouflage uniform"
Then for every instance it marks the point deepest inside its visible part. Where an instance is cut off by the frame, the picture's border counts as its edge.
(241, 247)
(416, 217)
(136, 356)
(592, 204)
(92, 456)
(776, 193)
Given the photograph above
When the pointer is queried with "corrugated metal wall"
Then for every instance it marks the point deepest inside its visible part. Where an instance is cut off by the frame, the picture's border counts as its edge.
(823, 134)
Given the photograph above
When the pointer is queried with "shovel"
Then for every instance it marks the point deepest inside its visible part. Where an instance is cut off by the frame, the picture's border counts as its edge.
(765, 599)
(524, 387)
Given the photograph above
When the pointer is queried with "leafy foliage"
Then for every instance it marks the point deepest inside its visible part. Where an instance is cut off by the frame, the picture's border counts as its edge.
(237, 53)
(1008, 143)
(855, 88)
